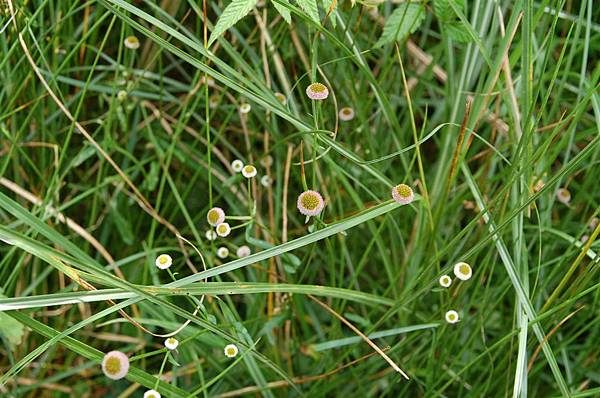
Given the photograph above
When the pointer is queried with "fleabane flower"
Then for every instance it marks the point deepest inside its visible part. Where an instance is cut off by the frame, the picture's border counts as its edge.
(403, 194)
(132, 42)
(151, 394)
(266, 181)
(171, 343)
(463, 271)
(445, 281)
(310, 203)
(223, 229)
(281, 98)
(215, 216)
(245, 108)
(317, 91)
(563, 196)
(243, 251)
(210, 235)
(222, 252)
(346, 114)
(230, 350)
(115, 365)
(452, 316)
(163, 261)
(249, 171)
(237, 165)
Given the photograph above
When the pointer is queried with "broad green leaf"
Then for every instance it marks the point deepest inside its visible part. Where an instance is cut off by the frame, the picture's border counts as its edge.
(235, 11)
(404, 20)
(310, 7)
(458, 32)
(10, 329)
(283, 11)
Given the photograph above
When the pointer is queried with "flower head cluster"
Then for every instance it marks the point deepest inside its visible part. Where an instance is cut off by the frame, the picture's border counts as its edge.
(230, 351)
(132, 42)
(249, 171)
(237, 165)
(317, 91)
(463, 271)
(215, 216)
(563, 196)
(115, 365)
(223, 229)
(171, 343)
(151, 394)
(346, 114)
(163, 261)
(210, 235)
(243, 251)
(445, 281)
(222, 252)
(403, 194)
(245, 108)
(452, 316)
(310, 203)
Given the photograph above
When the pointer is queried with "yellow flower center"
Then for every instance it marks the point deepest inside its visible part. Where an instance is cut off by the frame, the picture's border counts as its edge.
(346, 111)
(464, 269)
(222, 229)
(403, 190)
(113, 365)
(249, 169)
(162, 259)
(231, 351)
(310, 201)
(213, 216)
(171, 341)
(318, 88)
(451, 317)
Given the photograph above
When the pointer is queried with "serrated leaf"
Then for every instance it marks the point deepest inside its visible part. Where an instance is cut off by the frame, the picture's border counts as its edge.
(235, 11)
(458, 32)
(442, 9)
(310, 7)
(404, 20)
(283, 11)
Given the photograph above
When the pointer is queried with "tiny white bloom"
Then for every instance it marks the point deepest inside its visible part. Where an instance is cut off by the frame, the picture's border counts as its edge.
(223, 229)
(163, 261)
(266, 181)
(445, 281)
(215, 216)
(237, 165)
(211, 235)
(115, 365)
(452, 316)
(171, 343)
(222, 252)
(243, 251)
(563, 196)
(122, 95)
(132, 42)
(463, 271)
(249, 171)
(346, 114)
(151, 394)
(245, 108)
(230, 350)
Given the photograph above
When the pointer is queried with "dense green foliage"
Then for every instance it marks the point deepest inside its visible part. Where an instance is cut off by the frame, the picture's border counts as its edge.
(112, 154)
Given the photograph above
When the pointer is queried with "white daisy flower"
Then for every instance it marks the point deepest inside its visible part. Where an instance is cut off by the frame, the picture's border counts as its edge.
(230, 350)
(222, 252)
(310, 203)
(215, 216)
(249, 171)
(223, 229)
(445, 281)
(163, 261)
(245, 108)
(151, 394)
(403, 194)
(132, 42)
(452, 316)
(266, 181)
(171, 343)
(243, 251)
(210, 235)
(317, 91)
(463, 271)
(115, 365)
(237, 165)
(346, 114)
(563, 196)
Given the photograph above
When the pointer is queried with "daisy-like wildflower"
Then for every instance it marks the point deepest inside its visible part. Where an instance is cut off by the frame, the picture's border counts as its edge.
(593, 223)
(151, 394)
(249, 171)
(317, 91)
(452, 316)
(122, 95)
(266, 181)
(237, 165)
(463, 271)
(171, 343)
(346, 114)
(563, 196)
(403, 194)
(230, 350)
(222, 252)
(281, 98)
(267, 161)
(163, 261)
(115, 365)
(310, 203)
(445, 281)
(210, 235)
(223, 229)
(215, 216)
(243, 251)
(132, 42)
(245, 108)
